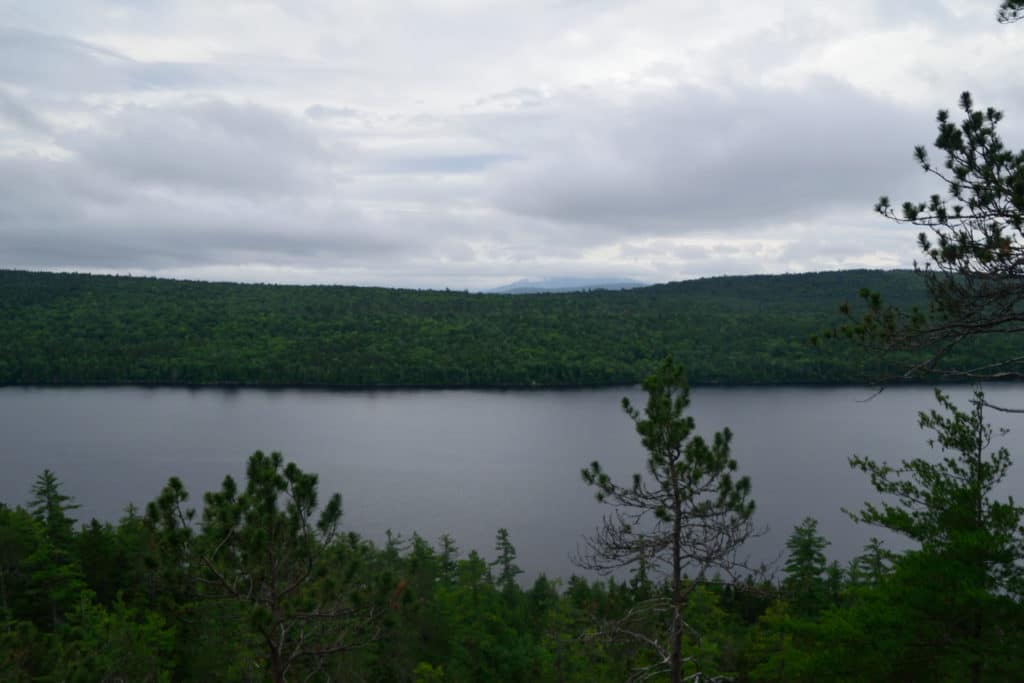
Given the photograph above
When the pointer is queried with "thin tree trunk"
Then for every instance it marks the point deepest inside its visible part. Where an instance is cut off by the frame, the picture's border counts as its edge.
(276, 666)
(677, 589)
(274, 659)
(3, 596)
(979, 520)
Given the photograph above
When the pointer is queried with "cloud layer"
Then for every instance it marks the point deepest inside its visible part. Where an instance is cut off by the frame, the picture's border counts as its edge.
(467, 144)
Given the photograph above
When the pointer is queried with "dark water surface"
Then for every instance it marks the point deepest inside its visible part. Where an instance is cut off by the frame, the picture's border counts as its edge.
(461, 461)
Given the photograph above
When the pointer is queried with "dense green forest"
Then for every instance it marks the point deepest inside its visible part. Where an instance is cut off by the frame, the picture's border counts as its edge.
(263, 582)
(80, 329)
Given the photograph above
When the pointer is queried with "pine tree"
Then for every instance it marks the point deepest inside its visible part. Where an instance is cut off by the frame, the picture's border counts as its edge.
(1011, 11)
(686, 515)
(960, 589)
(286, 569)
(972, 241)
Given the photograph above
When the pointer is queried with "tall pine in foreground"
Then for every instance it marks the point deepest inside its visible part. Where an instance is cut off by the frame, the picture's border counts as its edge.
(686, 515)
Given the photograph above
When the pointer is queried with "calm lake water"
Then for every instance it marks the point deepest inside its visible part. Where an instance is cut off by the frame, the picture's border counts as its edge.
(465, 462)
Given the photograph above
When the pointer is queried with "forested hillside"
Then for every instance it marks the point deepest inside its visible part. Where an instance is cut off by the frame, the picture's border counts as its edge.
(70, 328)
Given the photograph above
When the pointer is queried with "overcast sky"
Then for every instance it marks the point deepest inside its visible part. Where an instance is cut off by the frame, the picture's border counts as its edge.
(470, 143)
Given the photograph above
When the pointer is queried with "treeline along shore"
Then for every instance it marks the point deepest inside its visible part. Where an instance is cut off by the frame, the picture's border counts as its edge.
(67, 329)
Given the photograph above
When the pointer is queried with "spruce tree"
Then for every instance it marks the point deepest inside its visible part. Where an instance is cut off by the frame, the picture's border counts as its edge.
(872, 565)
(56, 578)
(805, 568)
(506, 563)
(50, 506)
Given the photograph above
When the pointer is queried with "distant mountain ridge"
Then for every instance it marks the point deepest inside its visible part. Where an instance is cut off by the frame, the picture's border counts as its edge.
(565, 284)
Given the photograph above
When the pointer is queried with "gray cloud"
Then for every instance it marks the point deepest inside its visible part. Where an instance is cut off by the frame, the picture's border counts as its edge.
(693, 159)
(66, 216)
(517, 98)
(60, 65)
(438, 163)
(212, 146)
(44, 61)
(319, 111)
(17, 113)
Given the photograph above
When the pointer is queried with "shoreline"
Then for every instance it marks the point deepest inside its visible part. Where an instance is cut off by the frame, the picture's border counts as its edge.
(287, 386)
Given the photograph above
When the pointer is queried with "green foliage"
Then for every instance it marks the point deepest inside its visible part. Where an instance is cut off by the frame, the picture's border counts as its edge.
(425, 673)
(781, 646)
(961, 588)
(972, 240)
(283, 567)
(946, 505)
(505, 562)
(20, 539)
(54, 575)
(50, 506)
(688, 493)
(872, 566)
(23, 652)
(806, 567)
(1011, 11)
(81, 329)
(686, 514)
(177, 595)
(712, 652)
(948, 609)
(121, 644)
(263, 585)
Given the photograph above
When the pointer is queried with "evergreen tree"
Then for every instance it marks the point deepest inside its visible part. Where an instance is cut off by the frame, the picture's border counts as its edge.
(118, 644)
(686, 515)
(506, 563)
(50, 506)
(1011, 11)
(20, 539)
(56, 578)
(805, 568)
(871, 566)
(972, 241)
(960, 590)
(449, 560)
(283, 569)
